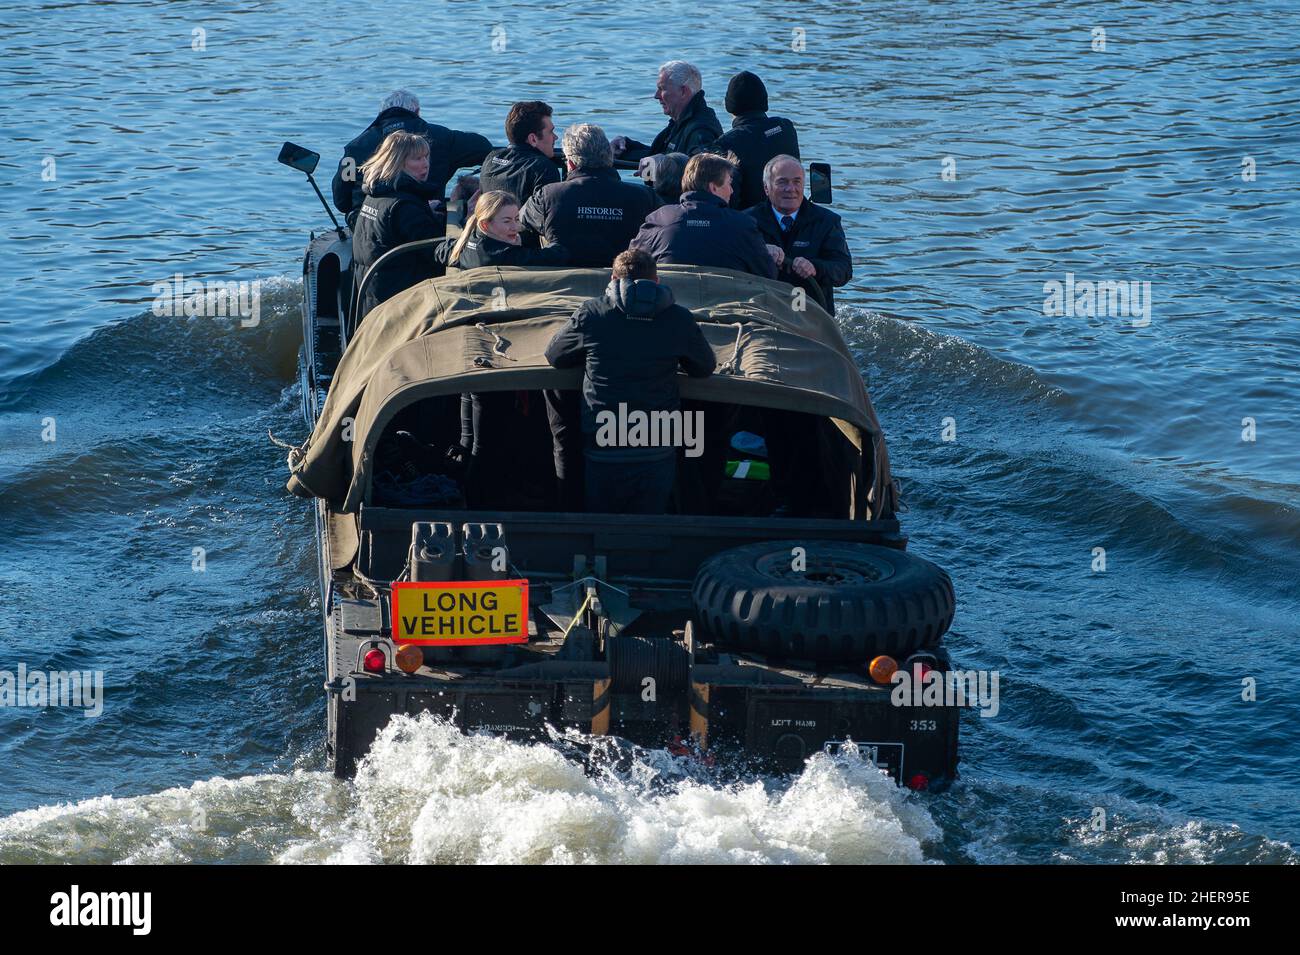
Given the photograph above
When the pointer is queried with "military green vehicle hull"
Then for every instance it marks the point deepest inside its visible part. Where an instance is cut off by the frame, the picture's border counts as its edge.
(724, 628)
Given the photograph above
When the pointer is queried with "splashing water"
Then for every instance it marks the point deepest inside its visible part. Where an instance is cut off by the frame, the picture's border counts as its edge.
(428, 794)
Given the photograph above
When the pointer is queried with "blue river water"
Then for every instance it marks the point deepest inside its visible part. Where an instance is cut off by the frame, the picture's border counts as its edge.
(981, 150)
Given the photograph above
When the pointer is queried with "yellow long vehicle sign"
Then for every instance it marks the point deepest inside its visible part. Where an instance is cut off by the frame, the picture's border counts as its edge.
(460, 613)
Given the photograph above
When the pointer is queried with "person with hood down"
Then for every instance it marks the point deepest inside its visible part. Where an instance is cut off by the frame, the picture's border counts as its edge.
(701, 229)
(630, 344)
(754, 138)
(491, 237)
(396, 211)
(807, 240)
(662, 175)
(593, 213)
(528, 163)
(449, 150)
(692, 124)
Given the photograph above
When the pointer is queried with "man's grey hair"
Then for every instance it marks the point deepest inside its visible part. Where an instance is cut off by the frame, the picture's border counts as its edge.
(666, 167)
(587, 147)
(403, 99)
(769, 171)
(681, 73)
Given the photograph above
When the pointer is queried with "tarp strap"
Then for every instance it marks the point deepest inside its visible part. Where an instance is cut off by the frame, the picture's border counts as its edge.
(731, 367)
(498, 343)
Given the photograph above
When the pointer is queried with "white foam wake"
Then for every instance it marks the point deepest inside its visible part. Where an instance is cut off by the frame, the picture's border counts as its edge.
(426, 793)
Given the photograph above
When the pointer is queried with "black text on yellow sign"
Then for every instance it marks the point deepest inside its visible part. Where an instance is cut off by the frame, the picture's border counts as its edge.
(461, 613)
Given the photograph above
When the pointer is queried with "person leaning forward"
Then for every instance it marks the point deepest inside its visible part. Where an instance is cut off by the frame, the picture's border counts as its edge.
(662, 175)
(449, 150)
(692, 124)
(630, 343)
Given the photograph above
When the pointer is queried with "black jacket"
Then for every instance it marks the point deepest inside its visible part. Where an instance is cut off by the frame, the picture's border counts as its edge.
(818, 237)
(519, 170)
(481, 250)
(393, 214)
(755, 138)
(631, 343)
(593, 213)
(449, 150)
(690, 133)
(701, 230)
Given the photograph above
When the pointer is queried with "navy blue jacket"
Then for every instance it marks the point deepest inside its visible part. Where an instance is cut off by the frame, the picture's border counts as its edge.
(631, 343)
(701, 230)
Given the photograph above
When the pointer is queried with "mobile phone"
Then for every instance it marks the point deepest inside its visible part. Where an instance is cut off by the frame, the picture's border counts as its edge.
(819, 183)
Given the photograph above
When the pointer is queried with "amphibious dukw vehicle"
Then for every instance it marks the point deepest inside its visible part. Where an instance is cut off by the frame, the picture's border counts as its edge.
(762, 617)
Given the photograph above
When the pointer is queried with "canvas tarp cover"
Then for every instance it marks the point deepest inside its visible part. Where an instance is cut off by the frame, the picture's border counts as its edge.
(487, 329)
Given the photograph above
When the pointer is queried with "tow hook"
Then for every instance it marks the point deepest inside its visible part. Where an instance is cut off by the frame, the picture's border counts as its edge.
(682, 747)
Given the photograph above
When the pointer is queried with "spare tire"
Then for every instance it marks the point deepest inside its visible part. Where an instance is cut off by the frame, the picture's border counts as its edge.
(849, 603)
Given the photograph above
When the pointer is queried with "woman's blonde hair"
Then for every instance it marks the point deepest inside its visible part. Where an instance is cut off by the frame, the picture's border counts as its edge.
(487, 206)
(391, 156)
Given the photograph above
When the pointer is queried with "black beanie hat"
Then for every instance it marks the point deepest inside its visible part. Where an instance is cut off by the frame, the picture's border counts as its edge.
(746, 94)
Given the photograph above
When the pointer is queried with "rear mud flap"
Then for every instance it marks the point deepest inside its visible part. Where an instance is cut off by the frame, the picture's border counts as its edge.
(517, 710)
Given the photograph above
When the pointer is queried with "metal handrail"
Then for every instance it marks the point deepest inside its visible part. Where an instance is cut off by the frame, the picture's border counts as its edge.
(361, 286)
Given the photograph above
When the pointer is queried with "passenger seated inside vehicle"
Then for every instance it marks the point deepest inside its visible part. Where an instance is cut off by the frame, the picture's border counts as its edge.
(756, 462)
(492, 238)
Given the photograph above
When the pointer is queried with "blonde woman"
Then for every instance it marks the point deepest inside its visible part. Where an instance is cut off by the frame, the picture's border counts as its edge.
(491, 237)
(396, 211)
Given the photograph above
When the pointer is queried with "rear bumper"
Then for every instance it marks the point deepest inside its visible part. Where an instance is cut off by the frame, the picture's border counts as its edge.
(723, 708)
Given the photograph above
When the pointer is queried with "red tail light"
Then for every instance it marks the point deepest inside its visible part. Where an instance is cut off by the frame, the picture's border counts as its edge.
(374, 661)
(920, 782)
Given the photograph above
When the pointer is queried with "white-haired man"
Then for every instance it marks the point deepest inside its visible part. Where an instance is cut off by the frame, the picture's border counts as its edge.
(692, 124)
(449, 150)
(592, 213)
(807, 240)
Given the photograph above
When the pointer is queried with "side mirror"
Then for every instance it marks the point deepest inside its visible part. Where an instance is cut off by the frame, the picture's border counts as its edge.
(819, 183)
(298, 157)
(304, 160)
